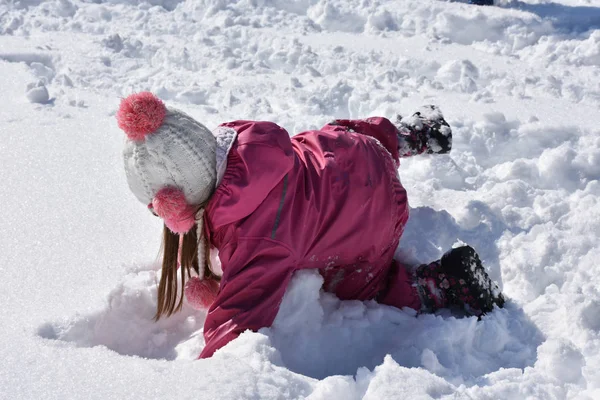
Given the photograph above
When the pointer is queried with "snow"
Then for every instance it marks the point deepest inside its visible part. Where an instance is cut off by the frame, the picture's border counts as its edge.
(518, 82)
(37, 93)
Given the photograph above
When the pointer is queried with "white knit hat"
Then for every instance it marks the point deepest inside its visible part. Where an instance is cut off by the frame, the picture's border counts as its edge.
(169, 159)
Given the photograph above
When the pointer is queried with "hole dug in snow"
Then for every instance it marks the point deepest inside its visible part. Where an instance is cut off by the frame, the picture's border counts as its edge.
(126, 325)
(314, 334)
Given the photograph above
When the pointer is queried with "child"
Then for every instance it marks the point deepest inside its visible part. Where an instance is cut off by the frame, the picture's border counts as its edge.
(270, 204)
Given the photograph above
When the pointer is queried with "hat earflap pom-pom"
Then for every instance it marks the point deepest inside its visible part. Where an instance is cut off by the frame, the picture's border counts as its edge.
(201, 293)
(170, 204)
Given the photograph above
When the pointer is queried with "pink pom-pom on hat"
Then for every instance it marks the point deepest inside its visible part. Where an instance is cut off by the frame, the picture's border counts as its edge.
(170, 204)
(140, 114)
(201, 293)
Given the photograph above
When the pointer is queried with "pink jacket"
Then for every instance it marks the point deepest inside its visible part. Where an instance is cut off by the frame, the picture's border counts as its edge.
(328, 199)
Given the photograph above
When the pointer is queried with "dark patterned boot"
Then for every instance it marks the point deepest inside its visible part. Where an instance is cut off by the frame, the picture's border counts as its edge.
(426, 131)
(482, 2)
(458, 279)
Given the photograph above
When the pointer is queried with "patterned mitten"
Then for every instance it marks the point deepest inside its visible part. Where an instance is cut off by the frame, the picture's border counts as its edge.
(458, 279)
(426, 131)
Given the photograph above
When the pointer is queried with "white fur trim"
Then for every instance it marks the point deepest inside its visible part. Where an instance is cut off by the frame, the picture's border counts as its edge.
(213, 255)
(215, 261)
(225, 137)
(200, 236)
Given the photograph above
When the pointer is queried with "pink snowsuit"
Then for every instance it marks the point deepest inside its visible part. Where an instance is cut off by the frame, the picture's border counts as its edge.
(328, 199)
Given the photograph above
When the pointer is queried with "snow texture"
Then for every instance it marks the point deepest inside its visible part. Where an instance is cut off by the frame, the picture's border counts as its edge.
(518, 82)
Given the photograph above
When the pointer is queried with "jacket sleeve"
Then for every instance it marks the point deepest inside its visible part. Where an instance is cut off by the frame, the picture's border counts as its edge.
(258, 272)
(258, 161)
(379, 128)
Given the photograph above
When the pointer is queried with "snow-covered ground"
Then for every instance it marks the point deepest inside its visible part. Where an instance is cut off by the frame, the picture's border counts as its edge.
(519, 83)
